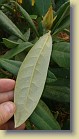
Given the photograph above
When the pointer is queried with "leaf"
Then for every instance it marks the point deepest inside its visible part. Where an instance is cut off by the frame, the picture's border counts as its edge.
(48, 19)
(13, 52)
(57, 93)
(64, 24)
(59, 3)
(50, 77)
(26, 17)
(43, 119)
(50, 80)
(62, 12)
(60, 82)
(10, 65)
(20, 56)
(42, 6)
(19, 1)
(9, 26)
(31, 79)
(61, 54)
(27, 35)
(57, 72)
(33, 16)
(33, 2)
(9, 44)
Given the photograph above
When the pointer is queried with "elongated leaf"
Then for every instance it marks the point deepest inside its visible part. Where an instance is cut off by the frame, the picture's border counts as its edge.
(43, 119)
(26, 17)
(33, 2)
(57, 93)
(27, 34)
(64, 24)
(61, 14)
(48, 19)
(61, 54)
(10, 65)
(9, 44)
(9, 26)
(31, 79)
(13, 52)
(58, 3)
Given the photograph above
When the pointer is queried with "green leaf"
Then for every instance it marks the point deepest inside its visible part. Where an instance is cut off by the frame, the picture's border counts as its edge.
(10, 44)
(33, 16)
(60, 82)
(61, 54)
(9, 26)
(31, 79)
(57, 72)
(62, 12)
(57, 93)
(42, 6)
(20, 56)
(64, 24)
(10, 65)
(27, 34)
(13, 52)
(43, 119)
(26, 16)
(59, 3)
(50, 77)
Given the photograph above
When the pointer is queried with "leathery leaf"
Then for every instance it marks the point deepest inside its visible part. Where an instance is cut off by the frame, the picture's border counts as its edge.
(31, 79)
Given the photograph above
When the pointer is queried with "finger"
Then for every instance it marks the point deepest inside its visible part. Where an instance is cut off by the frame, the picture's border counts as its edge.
(10, 126)
(7, 96)
(6, 85)
(7, 110)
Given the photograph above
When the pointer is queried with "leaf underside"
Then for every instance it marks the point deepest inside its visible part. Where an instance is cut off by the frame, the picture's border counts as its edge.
(31, 79)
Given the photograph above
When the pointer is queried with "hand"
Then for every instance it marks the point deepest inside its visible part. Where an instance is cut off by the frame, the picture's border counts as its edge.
(7, 107)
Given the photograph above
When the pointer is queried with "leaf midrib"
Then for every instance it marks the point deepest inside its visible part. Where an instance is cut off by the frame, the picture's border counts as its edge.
(36, 63)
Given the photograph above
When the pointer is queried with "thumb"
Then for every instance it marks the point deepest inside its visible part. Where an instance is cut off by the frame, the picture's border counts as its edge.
(7, 110)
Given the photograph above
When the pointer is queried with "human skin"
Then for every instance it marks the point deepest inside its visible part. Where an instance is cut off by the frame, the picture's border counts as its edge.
(7, 107)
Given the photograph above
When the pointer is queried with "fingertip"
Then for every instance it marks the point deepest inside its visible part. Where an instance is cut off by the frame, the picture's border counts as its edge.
(6, 85)
(7, 110)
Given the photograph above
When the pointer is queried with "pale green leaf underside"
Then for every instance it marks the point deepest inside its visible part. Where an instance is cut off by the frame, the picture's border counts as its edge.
(31, 79)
